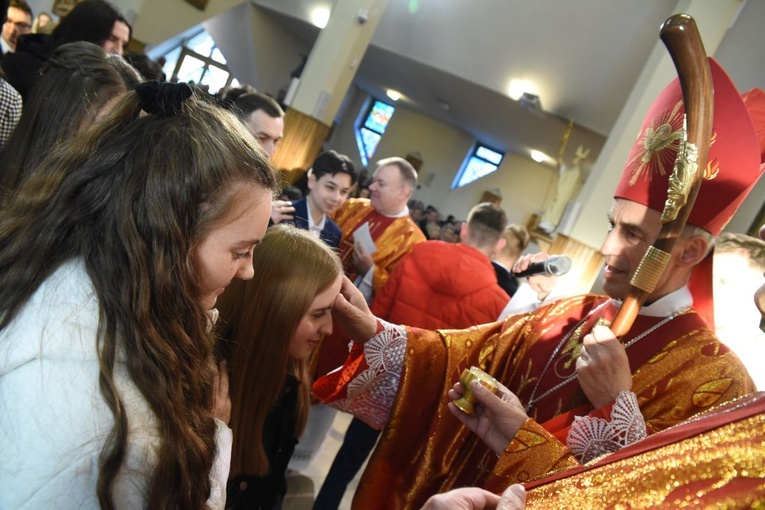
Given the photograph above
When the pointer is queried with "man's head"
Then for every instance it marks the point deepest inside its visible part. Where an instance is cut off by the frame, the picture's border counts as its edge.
(330, 179)
(633, 227)
(392, 185)
(263, 117)
(484, 227)
(94, 21)
(450, 232)
(416, 210)
(18, 22)
(431, 214)
(733, 168)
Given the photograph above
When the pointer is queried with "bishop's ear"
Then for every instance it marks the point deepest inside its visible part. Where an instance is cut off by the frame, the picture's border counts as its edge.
(692, 250)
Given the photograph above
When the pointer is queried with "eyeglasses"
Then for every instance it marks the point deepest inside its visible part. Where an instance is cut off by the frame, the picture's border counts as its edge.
(20, 25)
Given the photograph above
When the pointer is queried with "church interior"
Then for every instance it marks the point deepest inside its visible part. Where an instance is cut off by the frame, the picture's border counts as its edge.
(548, 95)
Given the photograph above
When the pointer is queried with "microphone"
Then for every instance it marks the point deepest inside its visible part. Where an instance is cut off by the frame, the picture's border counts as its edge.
(556, 265)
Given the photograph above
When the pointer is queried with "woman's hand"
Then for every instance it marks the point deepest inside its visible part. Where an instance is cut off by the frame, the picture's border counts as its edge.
(221, 397)
(473, 498)
(496, 419)
(352, 313)
(603, 368)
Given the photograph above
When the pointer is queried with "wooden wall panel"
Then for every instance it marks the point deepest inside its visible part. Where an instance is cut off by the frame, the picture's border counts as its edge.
(303, 138)
(586, 263)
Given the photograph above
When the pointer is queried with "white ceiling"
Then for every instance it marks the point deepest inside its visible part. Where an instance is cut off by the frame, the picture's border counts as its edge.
(584, 57)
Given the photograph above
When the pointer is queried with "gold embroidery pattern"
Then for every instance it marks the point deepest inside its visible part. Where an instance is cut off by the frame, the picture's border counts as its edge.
(710, 392)
(722, 459)
(658, 146)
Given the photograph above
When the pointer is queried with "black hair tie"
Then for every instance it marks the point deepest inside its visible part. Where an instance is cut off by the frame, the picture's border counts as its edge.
(162, 98)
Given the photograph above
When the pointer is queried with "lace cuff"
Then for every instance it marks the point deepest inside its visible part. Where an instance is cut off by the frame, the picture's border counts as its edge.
(592, 437)
(370, 395)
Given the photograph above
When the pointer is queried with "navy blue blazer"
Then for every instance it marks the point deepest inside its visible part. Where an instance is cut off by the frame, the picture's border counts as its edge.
(330, 234)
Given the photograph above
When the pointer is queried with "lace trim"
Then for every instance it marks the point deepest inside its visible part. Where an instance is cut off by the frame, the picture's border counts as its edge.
(371, 393)
(592, 437)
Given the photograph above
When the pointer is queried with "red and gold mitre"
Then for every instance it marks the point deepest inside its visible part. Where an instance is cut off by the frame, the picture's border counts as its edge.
(734, 153)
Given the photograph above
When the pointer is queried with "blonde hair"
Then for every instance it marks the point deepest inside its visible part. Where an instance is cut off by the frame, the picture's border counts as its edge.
(517, 238)
(260, 316)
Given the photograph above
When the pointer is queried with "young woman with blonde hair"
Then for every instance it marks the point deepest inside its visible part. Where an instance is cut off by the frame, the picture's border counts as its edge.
(110, 262)
(272, 323)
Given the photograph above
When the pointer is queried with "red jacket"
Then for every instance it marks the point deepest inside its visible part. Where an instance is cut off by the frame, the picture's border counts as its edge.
(441, 285)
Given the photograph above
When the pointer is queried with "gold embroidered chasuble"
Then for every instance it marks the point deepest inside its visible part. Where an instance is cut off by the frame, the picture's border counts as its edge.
(713, 460)
(679, 369)
(393, 237)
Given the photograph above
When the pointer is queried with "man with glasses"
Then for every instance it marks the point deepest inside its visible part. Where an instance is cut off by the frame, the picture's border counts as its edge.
(18, 22)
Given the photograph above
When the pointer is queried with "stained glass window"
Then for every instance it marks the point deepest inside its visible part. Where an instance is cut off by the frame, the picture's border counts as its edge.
(370, 131)
(480, 162)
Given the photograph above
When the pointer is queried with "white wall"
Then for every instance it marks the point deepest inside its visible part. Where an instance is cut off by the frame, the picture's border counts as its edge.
(258, 51)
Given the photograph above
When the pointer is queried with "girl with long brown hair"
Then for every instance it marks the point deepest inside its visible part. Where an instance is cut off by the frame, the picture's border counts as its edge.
(272, 323)
(109, 264)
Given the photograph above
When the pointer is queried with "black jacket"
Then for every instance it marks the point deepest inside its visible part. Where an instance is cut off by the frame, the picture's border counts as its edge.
(506, 279)
(24, 66)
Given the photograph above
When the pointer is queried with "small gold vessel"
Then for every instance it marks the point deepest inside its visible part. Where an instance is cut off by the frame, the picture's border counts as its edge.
(466, 402)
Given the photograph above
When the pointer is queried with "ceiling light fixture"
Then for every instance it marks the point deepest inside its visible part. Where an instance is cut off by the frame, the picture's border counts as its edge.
(538, 156)
(394, 95)
(516, 89)
(320, 16)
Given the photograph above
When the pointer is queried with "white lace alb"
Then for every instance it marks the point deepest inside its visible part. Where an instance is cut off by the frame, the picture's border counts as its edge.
(592, 437)
(371, 394)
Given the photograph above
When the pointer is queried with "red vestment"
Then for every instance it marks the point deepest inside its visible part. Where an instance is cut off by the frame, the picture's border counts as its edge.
(679, 369)
(393, 237)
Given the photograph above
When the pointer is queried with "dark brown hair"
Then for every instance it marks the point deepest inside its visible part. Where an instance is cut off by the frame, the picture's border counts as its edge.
(132, 197)
(76, 84)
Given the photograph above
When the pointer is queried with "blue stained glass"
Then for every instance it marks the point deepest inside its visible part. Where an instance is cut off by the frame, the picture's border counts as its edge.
(362, 149)
(378, 118)
(371, 139)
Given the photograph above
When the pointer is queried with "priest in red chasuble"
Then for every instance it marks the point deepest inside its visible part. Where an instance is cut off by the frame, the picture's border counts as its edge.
(383, 219)
(670, 366)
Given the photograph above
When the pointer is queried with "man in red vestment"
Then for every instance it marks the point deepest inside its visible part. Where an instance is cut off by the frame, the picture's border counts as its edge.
(384, 219)
(712, 460)
(668, 367)
(376, 234)
(437, 285)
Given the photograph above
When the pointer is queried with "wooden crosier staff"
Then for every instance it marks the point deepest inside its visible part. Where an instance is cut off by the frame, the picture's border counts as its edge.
(681, 37)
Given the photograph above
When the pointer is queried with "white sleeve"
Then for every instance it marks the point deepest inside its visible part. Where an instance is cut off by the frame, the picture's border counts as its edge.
(370, 394)
(523, 301)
